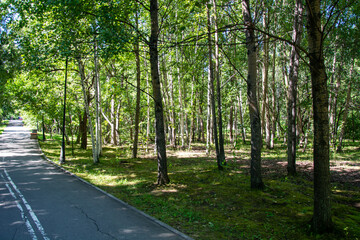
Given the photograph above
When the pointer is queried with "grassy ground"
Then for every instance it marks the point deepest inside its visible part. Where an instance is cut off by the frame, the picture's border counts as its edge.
(209, 204)
(3, 124)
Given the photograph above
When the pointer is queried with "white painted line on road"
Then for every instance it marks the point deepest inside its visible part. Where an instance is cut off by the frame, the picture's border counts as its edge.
(28, 207)
(23, 216)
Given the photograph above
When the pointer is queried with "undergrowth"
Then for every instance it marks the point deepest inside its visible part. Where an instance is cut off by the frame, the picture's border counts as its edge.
(3, 124)
(206, 203)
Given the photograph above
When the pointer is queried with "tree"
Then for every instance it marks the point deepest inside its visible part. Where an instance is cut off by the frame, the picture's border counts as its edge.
(256, 139)
(160, 140)
(138, 79)
(292, 88)
(322, 193)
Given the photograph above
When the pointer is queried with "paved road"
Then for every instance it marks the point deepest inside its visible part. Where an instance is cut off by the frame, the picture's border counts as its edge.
(39, 201)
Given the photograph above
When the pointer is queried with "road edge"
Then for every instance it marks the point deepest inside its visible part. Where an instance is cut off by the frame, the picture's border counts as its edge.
(162, 224)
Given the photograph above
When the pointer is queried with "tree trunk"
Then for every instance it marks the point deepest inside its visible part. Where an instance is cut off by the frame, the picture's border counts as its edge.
(137, 108)
(83, 128)
(265, 113)
(43, 128)
(212, 93)
(322, 192)
(231, 123)
(163, 177)
(182, 124)
(221, 157)
(97, 106)
(274, 100)
(148, 105)
(87, 110)
(256, 140)
(242, 129)
(346, 111)
(292, 89)
(192, 118)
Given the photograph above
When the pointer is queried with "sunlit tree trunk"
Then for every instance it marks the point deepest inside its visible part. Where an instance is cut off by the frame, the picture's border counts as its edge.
(87, 110)
(256, 140)
(322, 193)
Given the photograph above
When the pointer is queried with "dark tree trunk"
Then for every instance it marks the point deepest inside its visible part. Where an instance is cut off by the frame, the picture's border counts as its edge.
(256, 140)
(212, 93)
(137, 108)
(83, 131)
(292, 90)
(163, 177)
(43, 128)
(322, 192)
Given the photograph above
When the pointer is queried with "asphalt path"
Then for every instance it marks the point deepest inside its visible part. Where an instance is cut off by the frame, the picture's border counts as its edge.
(40, 201)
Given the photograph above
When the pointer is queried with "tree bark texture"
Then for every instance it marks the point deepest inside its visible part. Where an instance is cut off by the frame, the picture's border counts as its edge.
(322, 193)
(163, 177)
(256, 140)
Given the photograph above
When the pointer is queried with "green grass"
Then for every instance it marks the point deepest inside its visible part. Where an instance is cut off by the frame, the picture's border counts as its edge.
(209, 204)
(3, 125)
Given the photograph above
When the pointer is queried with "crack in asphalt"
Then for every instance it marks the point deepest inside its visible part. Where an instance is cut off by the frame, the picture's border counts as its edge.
(95, 223)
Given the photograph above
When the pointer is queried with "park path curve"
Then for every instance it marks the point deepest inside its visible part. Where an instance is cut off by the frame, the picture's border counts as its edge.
(40, 201)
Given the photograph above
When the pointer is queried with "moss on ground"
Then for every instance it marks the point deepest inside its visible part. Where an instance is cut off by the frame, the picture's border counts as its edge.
(209, 204)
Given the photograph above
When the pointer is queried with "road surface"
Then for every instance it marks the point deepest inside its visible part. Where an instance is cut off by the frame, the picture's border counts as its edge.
(40, 201)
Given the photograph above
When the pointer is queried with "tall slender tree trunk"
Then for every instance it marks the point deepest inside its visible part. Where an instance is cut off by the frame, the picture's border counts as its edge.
(163, 177)
(212, 93)
(113, 122)
(172, 116)
(274, 100)
(137, 108)
(346, 111)
(332, 94)
(231, 123)
(192, 118)
(265, 113)
(292, 89)
(256, 140)
(221, 157)
(241, 113)
(322, 193)
(148, 105)
(87, 110)
(182, 126)
(97, 105)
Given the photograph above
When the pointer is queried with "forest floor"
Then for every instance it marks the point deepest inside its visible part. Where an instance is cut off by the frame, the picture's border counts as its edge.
(206, 203)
